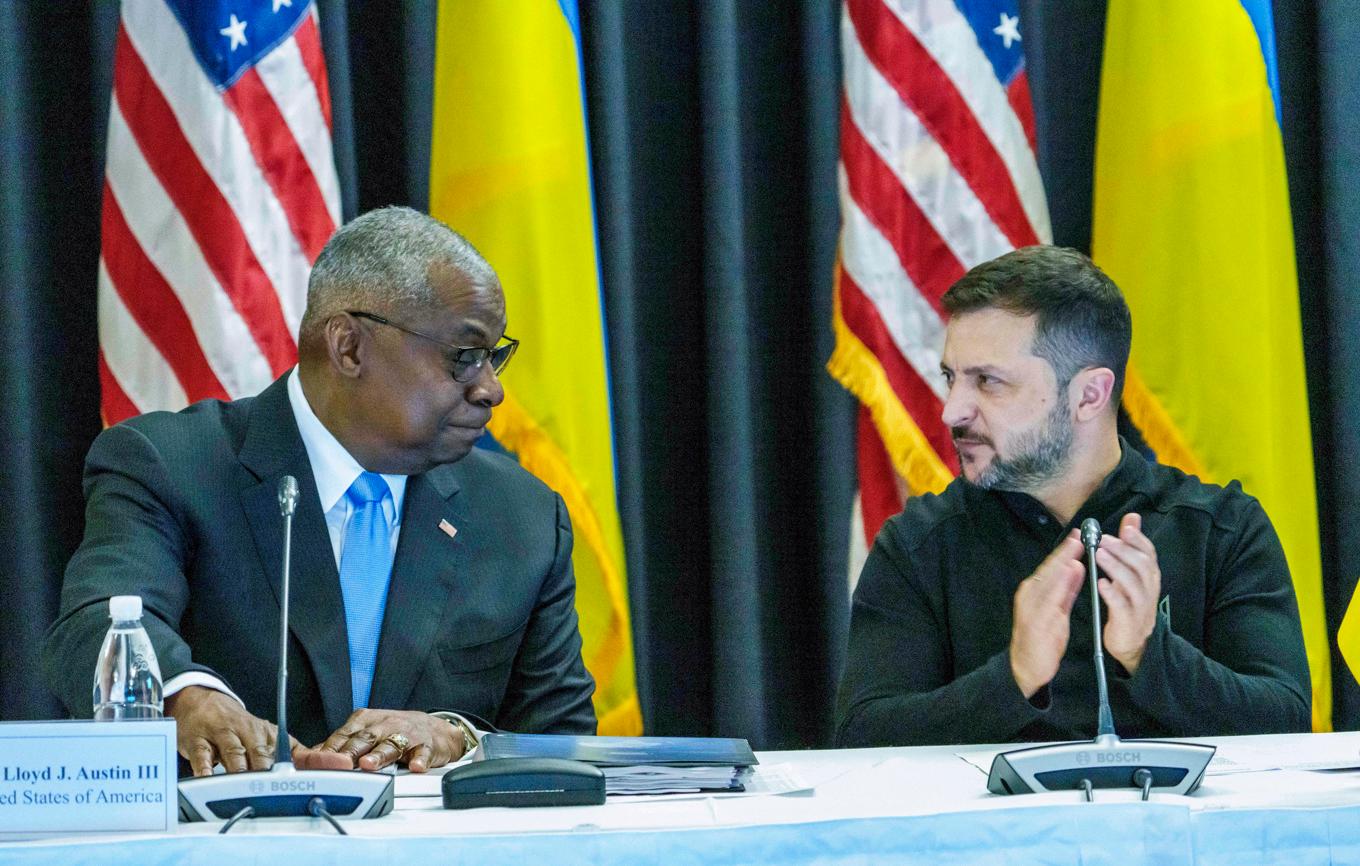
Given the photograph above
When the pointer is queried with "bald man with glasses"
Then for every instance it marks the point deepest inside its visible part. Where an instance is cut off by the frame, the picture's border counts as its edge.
(431, 580)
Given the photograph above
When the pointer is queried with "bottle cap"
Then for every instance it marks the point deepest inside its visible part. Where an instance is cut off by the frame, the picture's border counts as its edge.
(125, 607)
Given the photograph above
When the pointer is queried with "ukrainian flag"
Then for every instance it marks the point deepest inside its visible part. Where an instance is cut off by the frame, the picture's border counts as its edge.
(510, 170)
(1191, 218)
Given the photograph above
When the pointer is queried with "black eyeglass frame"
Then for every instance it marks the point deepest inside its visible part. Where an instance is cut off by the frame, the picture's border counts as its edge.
(471, 365)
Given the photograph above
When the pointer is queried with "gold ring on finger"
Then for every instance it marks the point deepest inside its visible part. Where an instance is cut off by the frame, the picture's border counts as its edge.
(400, 741)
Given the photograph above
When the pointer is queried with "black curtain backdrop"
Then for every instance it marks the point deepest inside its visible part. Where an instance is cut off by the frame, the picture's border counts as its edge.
(713, 132)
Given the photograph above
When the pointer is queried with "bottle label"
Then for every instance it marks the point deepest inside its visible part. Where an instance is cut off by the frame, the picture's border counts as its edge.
(87, 777)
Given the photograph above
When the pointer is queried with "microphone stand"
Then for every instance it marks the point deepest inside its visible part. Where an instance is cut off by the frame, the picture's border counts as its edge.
(283, 790)
(1090, 539)
(1106, 761)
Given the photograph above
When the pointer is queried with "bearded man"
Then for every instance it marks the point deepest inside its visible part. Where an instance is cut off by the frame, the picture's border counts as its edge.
(969, 624)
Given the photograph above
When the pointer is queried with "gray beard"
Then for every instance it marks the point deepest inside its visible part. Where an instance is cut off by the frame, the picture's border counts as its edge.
(1040, 457)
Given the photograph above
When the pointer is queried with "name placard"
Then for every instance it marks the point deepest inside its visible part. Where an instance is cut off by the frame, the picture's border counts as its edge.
(87, 777)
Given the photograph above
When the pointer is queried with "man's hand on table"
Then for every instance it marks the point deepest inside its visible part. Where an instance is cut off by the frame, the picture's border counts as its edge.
(372, 739)
(212, 727)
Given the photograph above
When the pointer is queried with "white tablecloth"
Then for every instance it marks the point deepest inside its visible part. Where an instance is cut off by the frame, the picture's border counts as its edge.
(924, 805)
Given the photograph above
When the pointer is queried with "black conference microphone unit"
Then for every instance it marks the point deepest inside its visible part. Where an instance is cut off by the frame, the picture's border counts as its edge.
(1106, 761)
(284, 790)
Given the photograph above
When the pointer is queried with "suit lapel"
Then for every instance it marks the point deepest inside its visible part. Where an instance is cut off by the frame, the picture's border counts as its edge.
(273, 448)
(427, 562)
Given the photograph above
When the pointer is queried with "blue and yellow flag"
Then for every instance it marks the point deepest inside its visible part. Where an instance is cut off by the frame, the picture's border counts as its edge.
(1191, 219)
(510, 170)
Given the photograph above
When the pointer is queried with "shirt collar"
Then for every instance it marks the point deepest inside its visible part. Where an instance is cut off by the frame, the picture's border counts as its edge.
(1130, 475)
(333, 467)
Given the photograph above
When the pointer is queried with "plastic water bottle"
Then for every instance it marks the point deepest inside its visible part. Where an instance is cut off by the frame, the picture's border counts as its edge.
(127, 680)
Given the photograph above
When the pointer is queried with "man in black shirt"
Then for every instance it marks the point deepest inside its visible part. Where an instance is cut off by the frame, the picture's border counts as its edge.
(969, 623)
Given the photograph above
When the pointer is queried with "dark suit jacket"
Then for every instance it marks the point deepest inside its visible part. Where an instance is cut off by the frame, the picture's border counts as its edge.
(182, 509)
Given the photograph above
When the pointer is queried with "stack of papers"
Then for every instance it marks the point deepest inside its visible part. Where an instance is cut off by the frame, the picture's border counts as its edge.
(639, 765)
(673, 780)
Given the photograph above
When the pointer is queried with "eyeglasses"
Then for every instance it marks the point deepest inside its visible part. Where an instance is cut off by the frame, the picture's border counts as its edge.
(467, 360)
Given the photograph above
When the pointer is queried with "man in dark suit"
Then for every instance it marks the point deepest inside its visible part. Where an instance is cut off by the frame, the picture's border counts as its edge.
(426, 575)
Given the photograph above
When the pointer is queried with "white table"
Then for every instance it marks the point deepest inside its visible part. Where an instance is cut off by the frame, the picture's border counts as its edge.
(923, 805)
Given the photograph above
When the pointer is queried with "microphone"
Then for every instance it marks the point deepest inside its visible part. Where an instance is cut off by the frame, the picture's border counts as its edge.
(1106, 761)
(288, 493)
(283, 790)
(1090, 539)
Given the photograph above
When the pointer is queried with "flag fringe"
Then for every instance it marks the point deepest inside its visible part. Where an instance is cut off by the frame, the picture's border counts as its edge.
(517, 432)
(1161, 433)
(854, 366)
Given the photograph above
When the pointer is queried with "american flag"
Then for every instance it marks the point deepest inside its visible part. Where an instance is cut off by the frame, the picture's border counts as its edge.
(220, 190)
(937, 174)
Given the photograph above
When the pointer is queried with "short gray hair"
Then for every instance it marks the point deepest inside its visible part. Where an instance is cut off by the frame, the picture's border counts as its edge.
(381, 262)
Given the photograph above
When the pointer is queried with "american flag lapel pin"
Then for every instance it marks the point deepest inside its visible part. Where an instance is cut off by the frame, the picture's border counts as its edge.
(448, 528)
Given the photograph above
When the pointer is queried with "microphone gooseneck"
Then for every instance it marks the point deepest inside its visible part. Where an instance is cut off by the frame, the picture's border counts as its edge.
(1090, 539)
(288, 495)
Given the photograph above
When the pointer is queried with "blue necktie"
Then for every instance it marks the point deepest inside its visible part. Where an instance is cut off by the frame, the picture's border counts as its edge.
(365, 569)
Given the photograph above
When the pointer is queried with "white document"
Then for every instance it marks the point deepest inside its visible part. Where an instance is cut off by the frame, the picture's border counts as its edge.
(1339, 751)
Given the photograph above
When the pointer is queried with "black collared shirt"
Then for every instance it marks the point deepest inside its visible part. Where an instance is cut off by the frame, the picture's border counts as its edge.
(931, 620)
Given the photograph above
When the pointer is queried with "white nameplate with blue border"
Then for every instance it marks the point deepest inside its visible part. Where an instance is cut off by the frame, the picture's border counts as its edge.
(87, 777)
